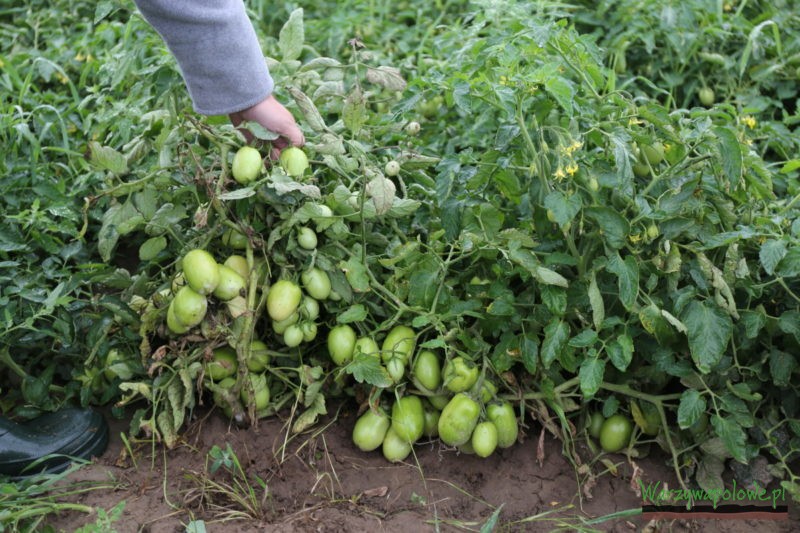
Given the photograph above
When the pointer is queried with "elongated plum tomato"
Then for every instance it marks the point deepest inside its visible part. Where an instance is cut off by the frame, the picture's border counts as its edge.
(460, 375)
(368, 346)
(427, 370)
(594, 424)
(230, 284)
(400, 342)
(293, 336)
(279, 326)
(408, 418)
(615, 433)
(439, 401)
(247, 165)
(173, 323)
(309, 331)
(653, 153)
(394, 448)
(484, 439)
(341, 343)
(706, 95)
(235, 239)
(370, 430)
(505, 420)
(259, 357)
(256, 391)
(458, 419)
(219, 400)
(223, 363)
(307, 238)
(189, 307)
(317, 283)
(238, 264)
(309, 308)
(396, 369)
(201, 271)
(294, 161)
(283, 299)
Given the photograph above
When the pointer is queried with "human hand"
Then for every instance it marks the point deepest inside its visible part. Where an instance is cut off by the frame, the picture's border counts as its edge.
(276, 118)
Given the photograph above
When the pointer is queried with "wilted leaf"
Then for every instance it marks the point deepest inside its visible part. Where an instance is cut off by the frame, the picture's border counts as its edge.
(292, 36)
(387, 77)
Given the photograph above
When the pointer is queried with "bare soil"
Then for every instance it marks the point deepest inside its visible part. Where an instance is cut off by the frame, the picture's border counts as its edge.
(322, 482)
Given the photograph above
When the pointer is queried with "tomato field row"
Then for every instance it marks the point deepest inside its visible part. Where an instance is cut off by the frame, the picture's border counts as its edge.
(582, 216)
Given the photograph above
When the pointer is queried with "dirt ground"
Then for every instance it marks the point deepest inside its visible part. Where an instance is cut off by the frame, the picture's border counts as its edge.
(323, 483)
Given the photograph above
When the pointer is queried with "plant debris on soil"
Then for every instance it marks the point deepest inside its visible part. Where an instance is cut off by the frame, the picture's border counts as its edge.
(320, 481)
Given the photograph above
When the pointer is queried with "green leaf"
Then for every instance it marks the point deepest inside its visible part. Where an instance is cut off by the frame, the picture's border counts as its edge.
(355, 313)
(284, 184)
(656, 325)
(354, 111)
(627, 272)
(584, 339)
(556, 335)
(387, 77)
(771, 253)
(367, 368)
(423, 282)
(789, 267)
(106, 158)
(591, 375)
(382, 192)
(564, 208)
(292, 36)
(730, 151)
(240, 194)
(309, 417)
(529, 350)
(166, 216)
(310, 112)
(691, 407)
(555, 298)
(151, 247)
(596, 302)
(613, 227)
(732, 436)
(709, 331)
(561, 89)
(549, 277)
(753, 321)
(356, 274)
(620, 351)
(781, 367)
(709, 474)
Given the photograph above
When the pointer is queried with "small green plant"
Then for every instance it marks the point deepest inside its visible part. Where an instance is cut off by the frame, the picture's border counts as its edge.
(105, 519)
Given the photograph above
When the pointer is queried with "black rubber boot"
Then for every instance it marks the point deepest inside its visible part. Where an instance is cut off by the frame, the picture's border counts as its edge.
(64, 435)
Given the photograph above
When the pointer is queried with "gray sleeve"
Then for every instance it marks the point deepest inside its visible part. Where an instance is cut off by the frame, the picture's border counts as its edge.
(217, 51)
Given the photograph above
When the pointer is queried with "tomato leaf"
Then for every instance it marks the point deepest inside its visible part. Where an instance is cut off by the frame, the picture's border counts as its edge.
(781, 367)
(732, 436)
(367, 368)
(355, 313)
(356, 274)
(620, 351)
(556, 335)
(292, 36)
(387, 77)
(529, 350)
(730, 151)
(709, 331)
(627, 272)
(591, 375)
(691, 407)
(613, 227)
(596, 302)
(771, 253)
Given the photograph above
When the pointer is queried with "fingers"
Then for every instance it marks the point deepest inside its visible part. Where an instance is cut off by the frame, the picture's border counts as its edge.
(275, 117)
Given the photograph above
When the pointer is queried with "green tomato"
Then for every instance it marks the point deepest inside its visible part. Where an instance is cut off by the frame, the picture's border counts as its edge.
(392, 168)
(309, 308)
(294, 161)
(427, 370)
(484, 439)
(594, 185)
(505, 421)
(341, 344)
(652, 231)
(706, 95)
(230, 284)
(439, 401)
(309, 330)
(458, 419)
(412, 128)
(307, 238)
(408, 418)
(293, 336)
(396, 369)
(238, 264)
(641, 170)
(615, 433)
(247, 165)
(279, 326)
(283, 299)
(487, 391)
(432, 416)
(235, 239)
(370, 430)
(594, 424)
(219, 399)
(256, 391)
(653, 153)
(223, 363)
(259, 357)
(189, 307)
(400, 342)
(394, 448)
(317, 283)
(117, 366)
(367, 346)
(200, 271)
(173, 324)
(460, 375)
(700, 425)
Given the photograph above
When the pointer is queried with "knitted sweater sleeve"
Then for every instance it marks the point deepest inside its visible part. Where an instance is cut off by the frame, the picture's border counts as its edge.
(217, 51)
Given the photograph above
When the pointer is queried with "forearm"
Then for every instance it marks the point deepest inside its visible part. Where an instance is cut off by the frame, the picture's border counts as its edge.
(217, 51)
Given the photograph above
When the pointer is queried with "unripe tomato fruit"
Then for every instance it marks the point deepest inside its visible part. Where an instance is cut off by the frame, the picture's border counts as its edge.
(279, 326)
(653, 153)
(309, 330)
(432, 416)
(595, 423)
(317, 283)
(652, 231)
(309, 308)
(413, 127)
(408, 418)
(439, 401)
(400, 342)
(247, 165)
(189, 307)
(307, 238)
(458, 419)
(283, 299)
(341, 343)
(256, 391)
(173, 324)
(460, 375)
(370, 430)
(200, 271)
(368, 346)
(230, 284)
(259, 357)
(392, 168)
(396, 369)
(223, 363)
(484, 439)
(706, 95)
(615, 433)
(293, 336)
(238, 264)
(505, 420)
(394, 448)
(427, 370)
(294, 161)
(235, 239)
